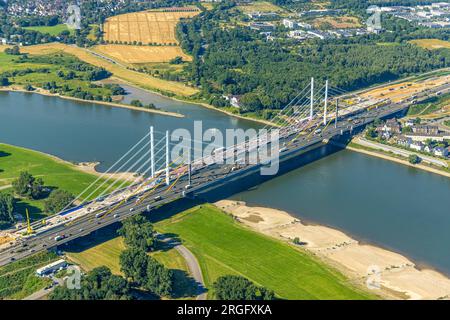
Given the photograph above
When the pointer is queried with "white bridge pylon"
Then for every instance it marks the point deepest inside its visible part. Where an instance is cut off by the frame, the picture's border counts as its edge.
(308, 110)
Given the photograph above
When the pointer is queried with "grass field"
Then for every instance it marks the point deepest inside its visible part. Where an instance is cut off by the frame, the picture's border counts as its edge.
(148, 27)
(54, 172)
(53, 30)
(18, 279)
(431, 44)
(260, 6)
(222, 246)
(136, 78)
(43, 69)
(141, 54)
(337, 22)
(91, 254)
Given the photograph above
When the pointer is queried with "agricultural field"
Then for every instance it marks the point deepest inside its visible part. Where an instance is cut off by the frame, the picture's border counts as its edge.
(139, 79)
(431, 44)
(148, 27)
(18, 279)
(260, 6)
(54, 172)
(344, 22)
(141, 54)
(53, 30)
(222, 246)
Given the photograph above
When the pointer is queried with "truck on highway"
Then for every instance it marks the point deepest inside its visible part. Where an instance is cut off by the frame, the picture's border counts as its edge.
(59, 237)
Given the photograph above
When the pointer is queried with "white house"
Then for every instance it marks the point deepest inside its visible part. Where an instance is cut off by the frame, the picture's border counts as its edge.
(290, 24)
(418, 146)
(441, 152)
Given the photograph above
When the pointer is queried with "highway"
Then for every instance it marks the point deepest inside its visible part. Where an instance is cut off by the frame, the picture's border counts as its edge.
(206, 177)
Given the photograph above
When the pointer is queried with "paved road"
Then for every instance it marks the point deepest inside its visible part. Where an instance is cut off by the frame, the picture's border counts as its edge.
(191, 262)
(401, 152)
(194, 268)
(38, 295)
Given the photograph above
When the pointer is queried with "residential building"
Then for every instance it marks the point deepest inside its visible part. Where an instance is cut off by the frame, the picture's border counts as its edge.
(418, 146)
(425, 129)
(440, 152)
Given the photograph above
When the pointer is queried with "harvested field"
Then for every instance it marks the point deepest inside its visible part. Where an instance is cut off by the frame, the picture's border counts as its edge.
(431, 44)
(148, 27)
(136, 78)
(141, 54)
(260, 6)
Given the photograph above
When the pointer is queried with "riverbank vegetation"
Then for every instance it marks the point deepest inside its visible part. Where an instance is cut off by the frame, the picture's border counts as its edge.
(59, 73)
(18, 279)
(54, 174)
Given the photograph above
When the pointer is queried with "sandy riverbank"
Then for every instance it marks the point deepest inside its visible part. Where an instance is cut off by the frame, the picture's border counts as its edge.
(105, 103)
(399, 277)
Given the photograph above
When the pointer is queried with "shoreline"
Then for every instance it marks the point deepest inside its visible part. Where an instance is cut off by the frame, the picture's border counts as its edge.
(105, 103)
(382, 155)
(398, 276)
(85, 167)
(187, 100)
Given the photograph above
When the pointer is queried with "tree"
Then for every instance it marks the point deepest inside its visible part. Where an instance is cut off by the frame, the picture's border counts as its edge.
(98, 284)
(138, 233)
(159, 278)
(133, 264)
(13, 51)
(239, 288)
(176, 60)
(4, 82)
(58, 200)
(7, 203)
(28, 186)
(136, 103)
(371, 133)
(414, 159)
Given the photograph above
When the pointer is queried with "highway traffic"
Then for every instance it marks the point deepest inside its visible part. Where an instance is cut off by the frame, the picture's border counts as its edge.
(291, 143)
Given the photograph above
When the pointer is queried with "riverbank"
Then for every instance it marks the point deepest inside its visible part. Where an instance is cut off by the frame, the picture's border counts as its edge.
(85, 167)
(355, 146)
(111, 104)
(51, 168)
(119, 81)
(399, 278)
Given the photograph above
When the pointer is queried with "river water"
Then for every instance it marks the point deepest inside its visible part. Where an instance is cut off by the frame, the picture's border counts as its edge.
(397, 207)
(79, 131)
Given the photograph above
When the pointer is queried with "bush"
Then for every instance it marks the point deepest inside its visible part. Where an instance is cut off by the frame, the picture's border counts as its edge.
(240, 288)
(414, 159)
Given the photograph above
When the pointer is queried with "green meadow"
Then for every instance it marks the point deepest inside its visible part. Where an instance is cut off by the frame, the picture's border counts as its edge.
(223, 246)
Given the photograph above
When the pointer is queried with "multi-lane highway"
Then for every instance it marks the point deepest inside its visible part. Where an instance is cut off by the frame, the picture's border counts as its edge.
(291, 143)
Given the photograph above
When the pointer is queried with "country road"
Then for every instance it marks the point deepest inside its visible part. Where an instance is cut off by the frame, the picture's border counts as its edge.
(194, 268)
(191, 262)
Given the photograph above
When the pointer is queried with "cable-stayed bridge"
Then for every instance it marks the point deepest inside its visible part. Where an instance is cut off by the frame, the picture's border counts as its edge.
(313, 118)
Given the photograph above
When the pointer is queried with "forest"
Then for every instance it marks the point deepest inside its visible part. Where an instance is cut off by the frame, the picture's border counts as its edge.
(267, 74)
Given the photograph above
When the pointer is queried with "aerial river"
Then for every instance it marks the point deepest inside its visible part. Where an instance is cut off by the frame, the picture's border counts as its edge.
(385, 203)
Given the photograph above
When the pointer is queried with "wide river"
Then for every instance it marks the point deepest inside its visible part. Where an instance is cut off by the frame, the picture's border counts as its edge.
(395, 206)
